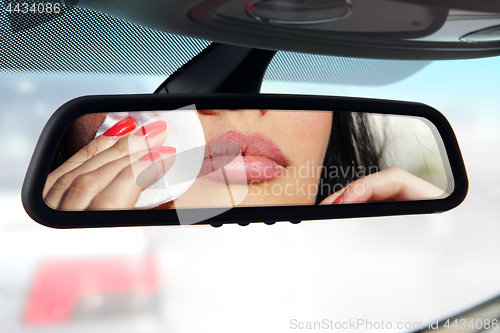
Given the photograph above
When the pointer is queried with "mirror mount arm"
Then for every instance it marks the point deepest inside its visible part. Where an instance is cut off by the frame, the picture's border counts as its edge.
(220, 68)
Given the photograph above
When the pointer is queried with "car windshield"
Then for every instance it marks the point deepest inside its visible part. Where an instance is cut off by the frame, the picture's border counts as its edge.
(402, 270)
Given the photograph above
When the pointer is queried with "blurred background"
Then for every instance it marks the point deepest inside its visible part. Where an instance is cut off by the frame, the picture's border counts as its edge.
(414, 144)
(259, 277)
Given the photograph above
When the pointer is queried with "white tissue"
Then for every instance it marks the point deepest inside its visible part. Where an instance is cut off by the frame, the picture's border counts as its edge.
(184, 132)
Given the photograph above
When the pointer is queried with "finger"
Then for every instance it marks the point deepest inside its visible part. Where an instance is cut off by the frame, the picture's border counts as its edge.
(149, 136)
(334, 199)
(94, 147)
(392, 183)
(124, 190)
(85, 187)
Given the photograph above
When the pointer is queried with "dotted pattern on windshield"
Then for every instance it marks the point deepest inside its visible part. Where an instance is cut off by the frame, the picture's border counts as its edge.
(78, 40)
(310, 68)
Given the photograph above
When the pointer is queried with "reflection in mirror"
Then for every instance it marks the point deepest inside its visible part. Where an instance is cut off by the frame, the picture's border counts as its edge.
(227, 158)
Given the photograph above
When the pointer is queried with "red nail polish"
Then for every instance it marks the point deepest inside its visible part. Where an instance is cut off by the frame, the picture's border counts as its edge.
(339, 200)
(122, 127)
(156, 152)
(164, 150)
(151, 130)
(151, 156)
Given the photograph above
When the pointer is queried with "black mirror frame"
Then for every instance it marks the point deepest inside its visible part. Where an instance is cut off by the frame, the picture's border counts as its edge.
(61, 120)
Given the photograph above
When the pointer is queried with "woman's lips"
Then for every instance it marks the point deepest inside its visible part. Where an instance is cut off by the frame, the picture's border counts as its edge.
(243, 158)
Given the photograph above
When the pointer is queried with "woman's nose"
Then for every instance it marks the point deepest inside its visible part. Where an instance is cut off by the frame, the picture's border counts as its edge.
(262, 111)
(216, 112)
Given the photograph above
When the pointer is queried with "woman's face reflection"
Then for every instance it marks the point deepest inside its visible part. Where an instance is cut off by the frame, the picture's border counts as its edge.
(281, 153)
(279, 148)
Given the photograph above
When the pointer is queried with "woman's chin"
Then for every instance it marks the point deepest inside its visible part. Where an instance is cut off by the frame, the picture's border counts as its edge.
(210, 192)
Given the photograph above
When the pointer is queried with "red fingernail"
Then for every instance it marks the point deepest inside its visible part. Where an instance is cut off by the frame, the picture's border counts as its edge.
(338, 200)
(151, 156)
(156, 152)
(152, 130)
(122, 127)
(164, 150)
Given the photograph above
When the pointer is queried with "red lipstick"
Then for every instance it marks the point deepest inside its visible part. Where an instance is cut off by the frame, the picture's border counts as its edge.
(261, 159)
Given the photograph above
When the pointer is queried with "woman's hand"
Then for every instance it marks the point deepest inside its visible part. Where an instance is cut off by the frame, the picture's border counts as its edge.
(104, 173)
(393, 183)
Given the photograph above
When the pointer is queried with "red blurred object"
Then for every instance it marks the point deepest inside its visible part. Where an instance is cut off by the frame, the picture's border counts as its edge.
(59, 284)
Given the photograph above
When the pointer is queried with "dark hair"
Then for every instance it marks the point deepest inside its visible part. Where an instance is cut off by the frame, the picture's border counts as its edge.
(63, 152)
(71, 142)
(353, 152)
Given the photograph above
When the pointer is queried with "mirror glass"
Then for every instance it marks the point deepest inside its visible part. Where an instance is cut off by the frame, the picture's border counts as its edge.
(191, 158)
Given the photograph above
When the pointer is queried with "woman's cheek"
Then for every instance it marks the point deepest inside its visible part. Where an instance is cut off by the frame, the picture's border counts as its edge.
(311, 128)
(310, 133)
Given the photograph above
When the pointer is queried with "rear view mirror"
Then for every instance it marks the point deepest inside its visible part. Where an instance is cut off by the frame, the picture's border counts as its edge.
(223, 158)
